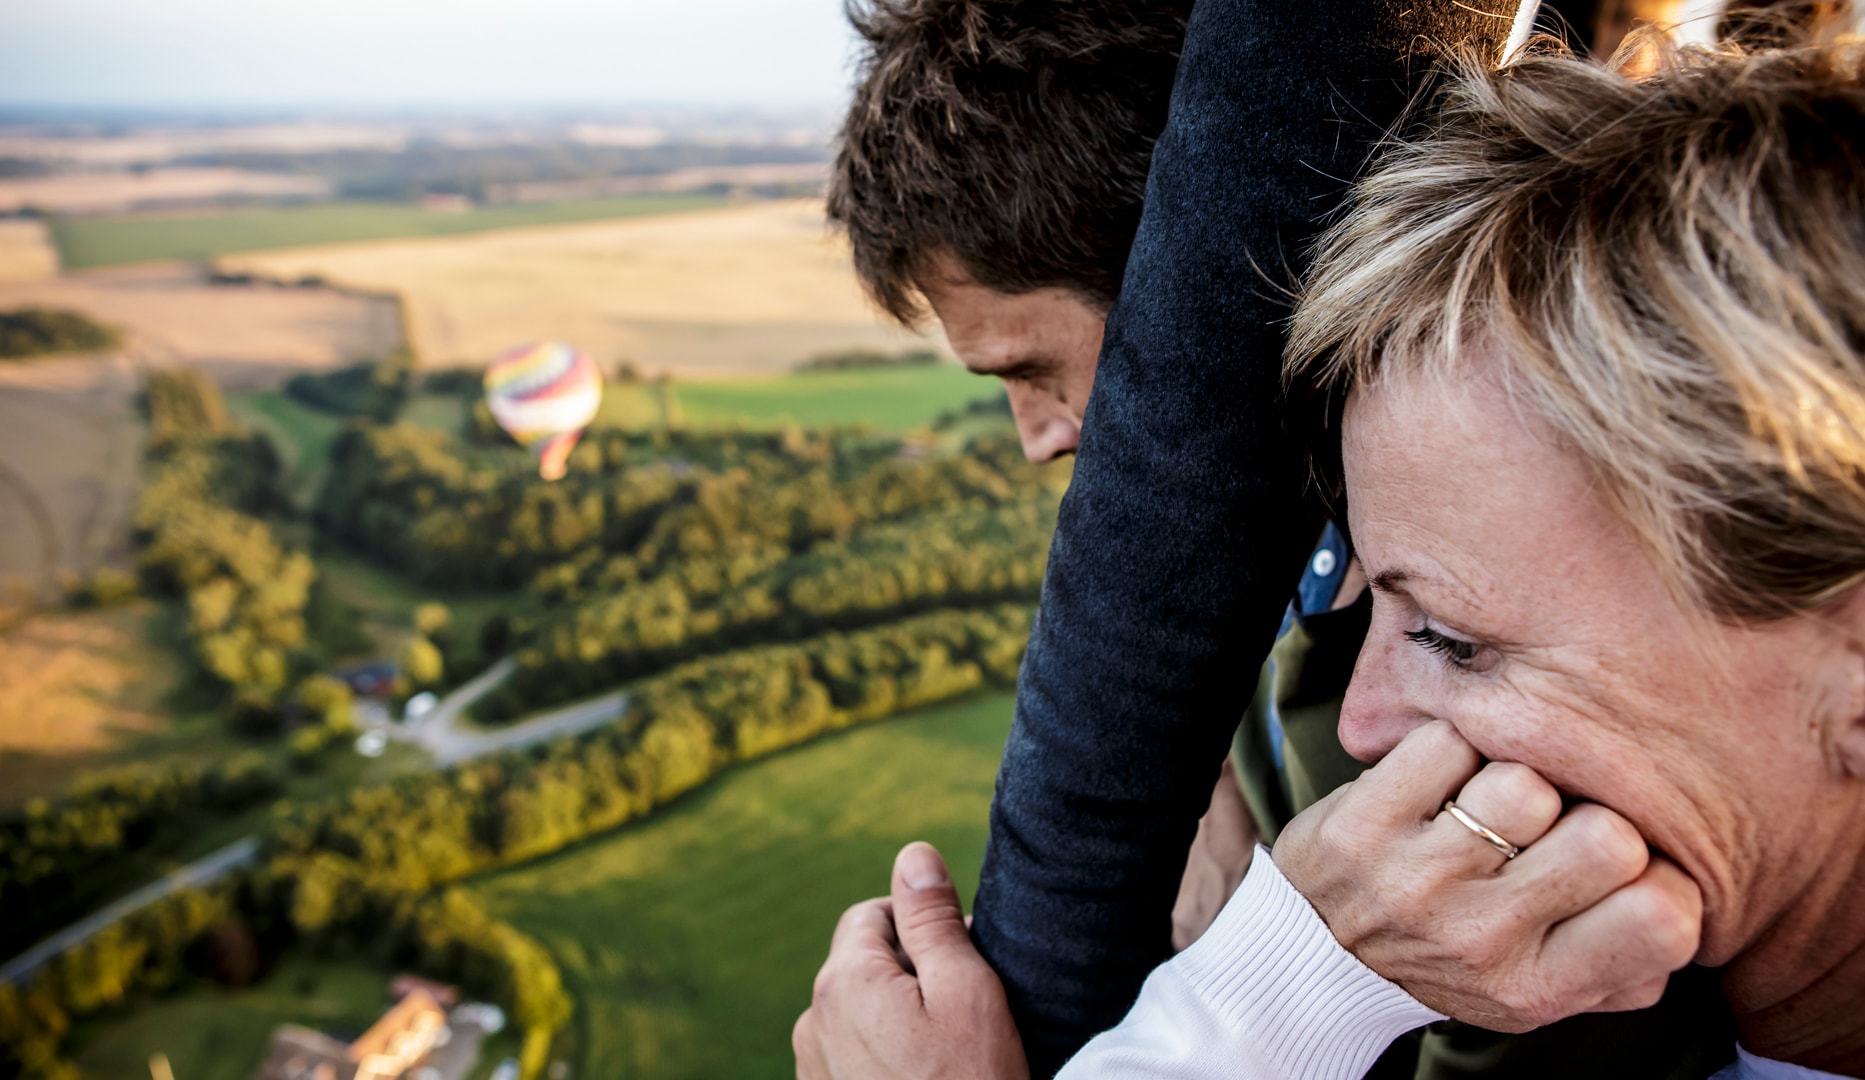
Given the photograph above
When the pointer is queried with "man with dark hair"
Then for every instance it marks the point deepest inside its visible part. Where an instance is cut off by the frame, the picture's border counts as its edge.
(994, 163)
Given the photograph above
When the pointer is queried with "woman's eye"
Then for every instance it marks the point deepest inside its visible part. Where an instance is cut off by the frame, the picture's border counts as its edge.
(1455, 651)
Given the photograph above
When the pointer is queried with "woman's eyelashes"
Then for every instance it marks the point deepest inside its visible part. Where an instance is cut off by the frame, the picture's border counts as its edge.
(1456, 652)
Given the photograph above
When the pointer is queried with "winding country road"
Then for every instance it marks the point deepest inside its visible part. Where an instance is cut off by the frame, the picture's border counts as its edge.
(199, 872)
(440, 732)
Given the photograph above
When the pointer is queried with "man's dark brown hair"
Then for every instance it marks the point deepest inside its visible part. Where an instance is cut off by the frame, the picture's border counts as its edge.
(1013, 135)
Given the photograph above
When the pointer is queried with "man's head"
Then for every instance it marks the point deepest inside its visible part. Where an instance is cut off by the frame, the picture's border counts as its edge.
(993, 166)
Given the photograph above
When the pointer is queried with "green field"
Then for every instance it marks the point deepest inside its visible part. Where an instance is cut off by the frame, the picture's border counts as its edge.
(690, 941)
(84, 243)
(302, 436)
(212, 1033)
(889, 399)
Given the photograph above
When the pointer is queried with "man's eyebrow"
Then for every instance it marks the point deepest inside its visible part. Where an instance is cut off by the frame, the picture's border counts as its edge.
(1389, 581)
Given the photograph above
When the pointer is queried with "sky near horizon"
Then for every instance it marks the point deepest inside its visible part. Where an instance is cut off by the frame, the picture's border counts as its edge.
(388, 53)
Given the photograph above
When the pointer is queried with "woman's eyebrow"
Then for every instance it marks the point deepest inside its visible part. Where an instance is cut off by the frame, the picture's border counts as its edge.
(1389, 581)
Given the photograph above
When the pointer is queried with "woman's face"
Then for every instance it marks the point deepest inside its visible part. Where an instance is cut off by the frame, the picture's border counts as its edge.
(1513, 603)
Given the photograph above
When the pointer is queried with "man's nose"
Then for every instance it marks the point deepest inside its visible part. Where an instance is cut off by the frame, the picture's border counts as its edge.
(1045, 434)
(1376, 713)
(1047, 440)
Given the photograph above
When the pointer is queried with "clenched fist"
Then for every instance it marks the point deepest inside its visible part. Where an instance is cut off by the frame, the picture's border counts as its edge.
(905, 994)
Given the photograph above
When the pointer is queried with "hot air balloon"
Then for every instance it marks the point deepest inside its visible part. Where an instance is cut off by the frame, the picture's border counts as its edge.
(544, 394)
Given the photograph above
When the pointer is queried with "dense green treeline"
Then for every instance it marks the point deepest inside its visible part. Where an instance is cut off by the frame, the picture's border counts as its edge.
(712, 604)
(450, 514)
(48, 847)
(373, 391)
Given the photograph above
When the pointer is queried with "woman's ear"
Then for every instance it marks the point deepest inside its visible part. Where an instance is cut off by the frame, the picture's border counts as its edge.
(1845, 722)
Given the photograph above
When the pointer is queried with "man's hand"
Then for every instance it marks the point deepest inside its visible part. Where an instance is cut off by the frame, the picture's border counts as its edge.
(905, 994)
(1585, 919)
(1219, 858)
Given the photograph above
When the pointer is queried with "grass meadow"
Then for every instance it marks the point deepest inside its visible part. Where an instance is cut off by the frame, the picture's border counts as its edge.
(690, 940)
(86, 243)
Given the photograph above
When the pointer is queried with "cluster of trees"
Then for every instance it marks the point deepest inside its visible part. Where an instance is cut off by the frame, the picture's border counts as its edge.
(376, 392)
(31, 331)
(184, 405)
(50, 846)
(450, 515)
(245, 591)
(204, 524)
(710, 604)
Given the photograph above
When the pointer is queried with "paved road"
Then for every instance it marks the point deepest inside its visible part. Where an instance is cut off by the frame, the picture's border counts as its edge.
(454, 745)
(440, 732)
(238, 853)
(443, 732)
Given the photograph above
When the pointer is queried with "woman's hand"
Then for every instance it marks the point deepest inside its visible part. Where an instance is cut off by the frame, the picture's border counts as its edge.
(1585, 919)
(904, 992)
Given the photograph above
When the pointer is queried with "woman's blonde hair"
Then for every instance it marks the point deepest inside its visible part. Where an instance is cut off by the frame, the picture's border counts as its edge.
(1670, 269)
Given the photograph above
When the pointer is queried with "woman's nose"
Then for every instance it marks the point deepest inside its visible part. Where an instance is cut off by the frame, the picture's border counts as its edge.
(1376, 713)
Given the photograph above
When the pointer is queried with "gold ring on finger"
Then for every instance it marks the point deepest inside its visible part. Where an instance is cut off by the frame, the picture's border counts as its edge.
(1488, 835)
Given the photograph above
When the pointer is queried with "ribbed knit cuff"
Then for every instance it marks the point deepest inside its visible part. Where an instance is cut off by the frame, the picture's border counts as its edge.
(1271, 970)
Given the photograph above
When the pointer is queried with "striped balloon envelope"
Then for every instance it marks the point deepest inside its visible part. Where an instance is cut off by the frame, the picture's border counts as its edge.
(543, 395)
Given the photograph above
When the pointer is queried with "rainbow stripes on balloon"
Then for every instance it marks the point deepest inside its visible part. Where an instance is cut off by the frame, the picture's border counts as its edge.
(544, 394)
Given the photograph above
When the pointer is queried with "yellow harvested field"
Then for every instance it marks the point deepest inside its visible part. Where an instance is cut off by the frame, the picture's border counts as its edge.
(26, 252)
(752, 288)
(73, 687)
(172, 315)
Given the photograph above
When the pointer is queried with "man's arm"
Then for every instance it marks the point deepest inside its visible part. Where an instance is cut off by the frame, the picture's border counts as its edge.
(1184, 531)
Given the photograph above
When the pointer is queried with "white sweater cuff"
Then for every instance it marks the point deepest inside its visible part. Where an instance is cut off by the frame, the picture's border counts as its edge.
(1266, 993)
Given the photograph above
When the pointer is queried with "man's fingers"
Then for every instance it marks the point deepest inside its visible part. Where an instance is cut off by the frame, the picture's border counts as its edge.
(1410, 784)
(1645, 930)
(806, 1043)
(928, 917)
(865, 926)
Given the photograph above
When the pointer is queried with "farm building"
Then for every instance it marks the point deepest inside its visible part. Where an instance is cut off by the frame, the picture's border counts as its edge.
(419, 1038)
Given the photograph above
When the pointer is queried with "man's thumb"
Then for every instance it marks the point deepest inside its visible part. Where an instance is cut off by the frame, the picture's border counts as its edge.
(927, 915)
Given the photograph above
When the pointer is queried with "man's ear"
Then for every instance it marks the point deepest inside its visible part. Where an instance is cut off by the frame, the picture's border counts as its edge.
(1845, 722)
